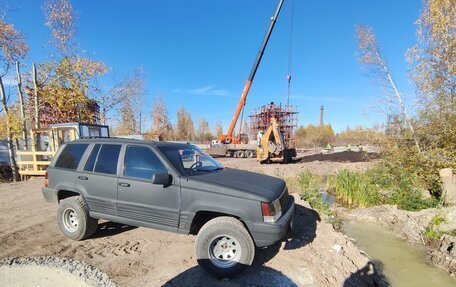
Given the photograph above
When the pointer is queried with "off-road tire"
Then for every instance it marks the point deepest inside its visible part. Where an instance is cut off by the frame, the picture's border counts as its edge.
(226, 227)
(85, 226)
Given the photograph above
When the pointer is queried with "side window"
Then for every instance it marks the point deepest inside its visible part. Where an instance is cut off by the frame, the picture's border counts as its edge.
(71, 156)
(141, 162)
(107, 159)
(92, 158)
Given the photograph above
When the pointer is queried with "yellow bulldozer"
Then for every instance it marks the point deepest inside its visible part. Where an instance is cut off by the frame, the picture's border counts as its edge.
(272, 146)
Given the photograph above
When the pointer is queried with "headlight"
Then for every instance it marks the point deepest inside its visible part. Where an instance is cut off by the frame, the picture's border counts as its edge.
(272, 211)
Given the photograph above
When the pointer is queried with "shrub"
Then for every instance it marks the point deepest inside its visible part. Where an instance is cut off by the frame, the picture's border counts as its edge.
(430, 232)
(310, 186)
(355, 189)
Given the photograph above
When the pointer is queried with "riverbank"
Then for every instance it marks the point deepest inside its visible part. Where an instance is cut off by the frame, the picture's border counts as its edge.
(418, 228)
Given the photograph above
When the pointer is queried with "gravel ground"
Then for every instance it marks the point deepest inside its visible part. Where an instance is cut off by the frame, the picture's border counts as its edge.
(316, 255)
(50, 271)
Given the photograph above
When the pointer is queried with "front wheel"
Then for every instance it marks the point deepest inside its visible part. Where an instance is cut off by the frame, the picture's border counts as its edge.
(224, 247)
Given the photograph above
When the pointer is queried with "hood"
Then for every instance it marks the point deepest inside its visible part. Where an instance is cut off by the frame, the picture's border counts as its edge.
(266, 186)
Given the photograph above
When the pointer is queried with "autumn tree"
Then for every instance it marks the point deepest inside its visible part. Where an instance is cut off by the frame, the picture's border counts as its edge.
(61, 19)
(314, 136)
(13, 48)
(370, 55)
(65, 85)
(433, 63)
(162, 129)
(185, 129)
(218, 128)
(203, 131)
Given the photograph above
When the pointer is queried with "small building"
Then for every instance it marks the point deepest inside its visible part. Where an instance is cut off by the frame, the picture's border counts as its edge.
(46, 141)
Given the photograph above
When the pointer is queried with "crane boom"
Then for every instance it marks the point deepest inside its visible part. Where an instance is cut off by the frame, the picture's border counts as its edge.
(228, 137)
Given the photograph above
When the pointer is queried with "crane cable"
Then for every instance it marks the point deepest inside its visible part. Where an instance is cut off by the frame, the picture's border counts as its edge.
(290, 52)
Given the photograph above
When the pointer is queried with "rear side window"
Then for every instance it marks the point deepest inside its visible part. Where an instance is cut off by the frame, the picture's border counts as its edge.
(92, 158)
(107, 159)
(141, 162)
(71, 156)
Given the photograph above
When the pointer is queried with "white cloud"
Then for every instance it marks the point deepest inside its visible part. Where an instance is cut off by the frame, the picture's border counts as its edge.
(205, 91)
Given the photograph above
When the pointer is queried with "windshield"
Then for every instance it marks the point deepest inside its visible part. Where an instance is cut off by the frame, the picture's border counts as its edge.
(192, 159)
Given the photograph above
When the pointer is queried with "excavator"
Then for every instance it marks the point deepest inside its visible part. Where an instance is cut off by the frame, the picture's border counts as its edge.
(271, 145)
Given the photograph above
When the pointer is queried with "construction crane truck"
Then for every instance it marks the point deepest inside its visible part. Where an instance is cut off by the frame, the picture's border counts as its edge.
(269, 144)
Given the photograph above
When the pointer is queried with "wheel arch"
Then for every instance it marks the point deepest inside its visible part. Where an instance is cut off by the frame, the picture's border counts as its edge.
(203, 216)
(64, 193)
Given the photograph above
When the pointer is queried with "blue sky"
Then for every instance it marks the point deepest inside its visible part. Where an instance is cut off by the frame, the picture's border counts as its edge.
(198, 53)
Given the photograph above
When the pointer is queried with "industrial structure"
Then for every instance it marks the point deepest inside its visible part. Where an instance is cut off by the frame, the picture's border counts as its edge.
(286, 117)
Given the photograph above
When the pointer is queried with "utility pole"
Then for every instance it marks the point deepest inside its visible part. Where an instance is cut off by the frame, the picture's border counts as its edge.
(21, 103)
(37, 100)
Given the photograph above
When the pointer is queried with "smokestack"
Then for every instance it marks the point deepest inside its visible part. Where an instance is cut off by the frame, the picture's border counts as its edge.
(321, 115)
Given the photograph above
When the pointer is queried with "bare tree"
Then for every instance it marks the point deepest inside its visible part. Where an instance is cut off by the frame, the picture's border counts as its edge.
(185, 129)
(128, 94)
(13, 47)
(369, 54)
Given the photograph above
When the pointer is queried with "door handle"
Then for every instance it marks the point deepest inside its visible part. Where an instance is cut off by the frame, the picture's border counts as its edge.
(83, 177)
(124, 184)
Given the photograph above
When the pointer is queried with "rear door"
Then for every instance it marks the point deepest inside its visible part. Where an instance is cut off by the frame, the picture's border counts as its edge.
(139, 199)
(62, 175)
(98, 179)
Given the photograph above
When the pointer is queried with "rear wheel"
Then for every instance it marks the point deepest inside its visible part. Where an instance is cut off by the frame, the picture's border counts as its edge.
(240, 154)
(74, 220)
(224, 247)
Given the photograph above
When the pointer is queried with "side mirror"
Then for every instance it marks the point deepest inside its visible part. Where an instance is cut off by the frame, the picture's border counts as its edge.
(162, 178)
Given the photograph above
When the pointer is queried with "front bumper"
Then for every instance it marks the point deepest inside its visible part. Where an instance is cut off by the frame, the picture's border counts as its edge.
(49, 194)
(265, 234)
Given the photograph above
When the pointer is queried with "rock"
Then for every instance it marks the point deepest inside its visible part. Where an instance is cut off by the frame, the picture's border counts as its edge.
(448, 179)
(445, 255)
(337, 248)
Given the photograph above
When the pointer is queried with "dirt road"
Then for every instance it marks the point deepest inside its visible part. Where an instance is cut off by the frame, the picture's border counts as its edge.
(315, 255)
(311, 160)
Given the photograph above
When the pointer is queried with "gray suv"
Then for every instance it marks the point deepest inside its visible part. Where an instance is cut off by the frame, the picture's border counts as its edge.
(169, 186)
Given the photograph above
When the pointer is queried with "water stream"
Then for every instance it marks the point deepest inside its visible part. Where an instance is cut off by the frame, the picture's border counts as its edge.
(403, 264)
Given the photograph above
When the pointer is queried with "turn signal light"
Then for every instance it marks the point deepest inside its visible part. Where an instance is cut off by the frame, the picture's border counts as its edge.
(271, 211)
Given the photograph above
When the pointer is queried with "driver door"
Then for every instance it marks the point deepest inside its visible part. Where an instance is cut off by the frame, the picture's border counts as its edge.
(140, 200)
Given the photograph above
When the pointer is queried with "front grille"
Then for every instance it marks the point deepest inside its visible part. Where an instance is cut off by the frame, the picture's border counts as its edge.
(284, 200)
